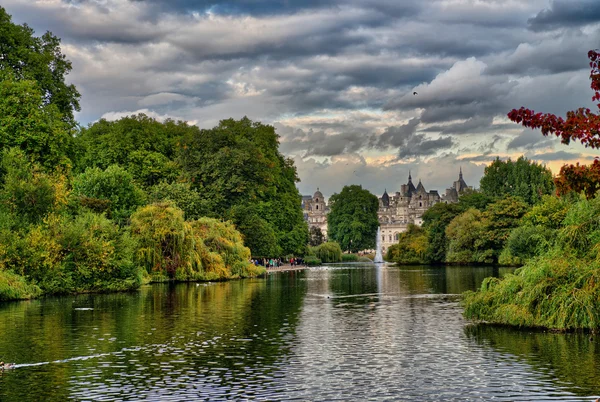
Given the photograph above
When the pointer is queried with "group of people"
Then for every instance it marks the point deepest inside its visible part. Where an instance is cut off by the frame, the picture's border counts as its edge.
(277, 262)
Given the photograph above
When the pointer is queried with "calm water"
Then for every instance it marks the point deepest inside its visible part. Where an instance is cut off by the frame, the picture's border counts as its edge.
(348, 333)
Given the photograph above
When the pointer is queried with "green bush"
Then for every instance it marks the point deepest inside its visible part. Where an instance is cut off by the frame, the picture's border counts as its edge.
(557, 291)
(349, 257)
(312, 261)
(15, 287)
(328, 252)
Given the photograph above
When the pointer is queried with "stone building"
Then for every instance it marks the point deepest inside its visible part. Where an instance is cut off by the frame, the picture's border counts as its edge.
(315, 211)
(396, 211)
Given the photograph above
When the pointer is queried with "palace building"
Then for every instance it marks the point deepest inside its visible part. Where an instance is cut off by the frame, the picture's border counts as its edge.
(396, 211)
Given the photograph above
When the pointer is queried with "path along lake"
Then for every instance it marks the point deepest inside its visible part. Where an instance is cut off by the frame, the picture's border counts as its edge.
(341, 332)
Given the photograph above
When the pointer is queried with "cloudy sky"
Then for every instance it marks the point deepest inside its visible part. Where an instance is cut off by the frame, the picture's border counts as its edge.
(336, 78)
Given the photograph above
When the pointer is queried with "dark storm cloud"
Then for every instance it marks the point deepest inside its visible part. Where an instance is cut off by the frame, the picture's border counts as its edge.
(409, 143)
(566, 13)
(529, 140)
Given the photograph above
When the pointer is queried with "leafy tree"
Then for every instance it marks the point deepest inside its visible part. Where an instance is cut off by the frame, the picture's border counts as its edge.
(435, 221)
(501, 218)
(352, 221)
(465, 235)
(549, 213)
(128, 141)
(328, 252)
(474, 199)
(522, 178)
(411, 248)
(183, 196)
(26, 123)
(114, 185)
(238, 164)
(580, 124)
(316, 236)
(28, 192)
(258, 234)
(28, 57)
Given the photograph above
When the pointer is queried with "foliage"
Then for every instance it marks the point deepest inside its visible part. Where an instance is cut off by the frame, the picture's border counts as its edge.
(526, 242)
(411, 247)
(258, 234)
(435, 222)
(549, 213)
(203, 249)
(15, 287)
(328, 252)
(475, 199)
(28, 57)
(349, 257)
(183, 196)
(29, 193)
(131, 140)
(465, 235)
(26, 123)
(581, 124)
(73, 255)
(316, 236)
(523, 178)
(312, 261)
(558, 291)
(500, 218)
(114, 185)
(352, 221)
(238, 169)
(580, 231)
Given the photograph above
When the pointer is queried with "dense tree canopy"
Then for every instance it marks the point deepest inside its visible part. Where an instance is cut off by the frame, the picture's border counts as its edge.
(352, 221)
(239, 171)
(522, 178)
(28, 57)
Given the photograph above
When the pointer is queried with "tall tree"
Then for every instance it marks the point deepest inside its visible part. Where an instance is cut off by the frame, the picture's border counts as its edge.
(521, 178)
(28, 57)
(352, 221)
(579, 125)
(237, 166)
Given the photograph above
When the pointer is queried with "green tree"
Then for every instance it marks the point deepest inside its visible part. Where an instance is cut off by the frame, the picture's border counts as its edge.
(115, 186)
(465, 235)
(352, 221)
(501, 218)
(522, 178)
(238, 164)
(412, 247)
(128, 141)
(26, 123)
(435, 221)
(183, 196)
(316, 236)
(28, 57)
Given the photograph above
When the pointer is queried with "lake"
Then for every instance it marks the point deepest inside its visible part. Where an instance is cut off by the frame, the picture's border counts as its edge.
(348, 332)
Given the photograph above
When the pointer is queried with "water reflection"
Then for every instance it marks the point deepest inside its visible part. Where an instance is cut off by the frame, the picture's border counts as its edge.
(353, 332)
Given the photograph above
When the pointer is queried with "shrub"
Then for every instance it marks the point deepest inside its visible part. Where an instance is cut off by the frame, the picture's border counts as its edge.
(349, 257)
(328, 252)
(15, 287)
(557, 291)
(312, 261)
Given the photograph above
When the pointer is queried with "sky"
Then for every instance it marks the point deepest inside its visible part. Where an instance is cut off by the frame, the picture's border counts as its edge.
(337, 78)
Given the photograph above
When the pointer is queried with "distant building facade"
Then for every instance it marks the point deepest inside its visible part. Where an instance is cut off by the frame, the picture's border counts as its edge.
(395, 212)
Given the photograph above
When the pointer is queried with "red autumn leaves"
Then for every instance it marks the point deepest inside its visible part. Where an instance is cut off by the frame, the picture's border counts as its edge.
(582, 125)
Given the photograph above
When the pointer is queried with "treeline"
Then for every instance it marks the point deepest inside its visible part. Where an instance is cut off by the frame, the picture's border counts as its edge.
(111, 205)
(492, 226)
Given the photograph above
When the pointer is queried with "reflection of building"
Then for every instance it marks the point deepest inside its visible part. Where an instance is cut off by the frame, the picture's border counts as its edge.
(395, 213)
(315, 211)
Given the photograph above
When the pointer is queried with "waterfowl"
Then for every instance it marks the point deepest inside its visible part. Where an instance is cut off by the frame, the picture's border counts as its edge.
(6, 366)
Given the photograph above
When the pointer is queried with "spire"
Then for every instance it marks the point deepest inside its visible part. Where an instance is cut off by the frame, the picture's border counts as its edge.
(409, 177)
(460, 174)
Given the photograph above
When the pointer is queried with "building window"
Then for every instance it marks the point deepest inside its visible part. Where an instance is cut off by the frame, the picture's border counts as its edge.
(397, 236)
(317, 207)
(317, 200)
(382, 237)
(390, 237)
(420, 204)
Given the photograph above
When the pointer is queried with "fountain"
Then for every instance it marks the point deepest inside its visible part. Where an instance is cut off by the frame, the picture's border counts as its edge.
(378, 257)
